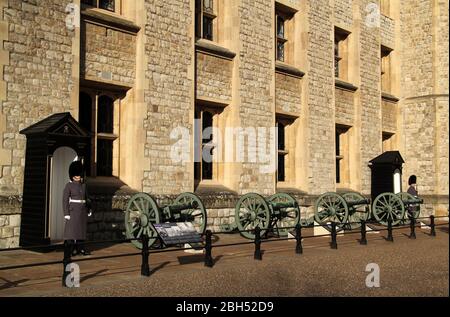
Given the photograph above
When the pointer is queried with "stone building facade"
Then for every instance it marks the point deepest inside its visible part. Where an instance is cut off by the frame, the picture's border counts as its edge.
(365, 76)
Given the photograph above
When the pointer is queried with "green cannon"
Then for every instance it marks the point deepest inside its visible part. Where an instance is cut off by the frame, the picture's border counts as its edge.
(346, 210)
(279, 210)
(142, 211)
(395, 207)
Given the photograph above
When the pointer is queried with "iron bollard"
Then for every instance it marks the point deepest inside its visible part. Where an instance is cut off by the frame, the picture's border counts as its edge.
(258, 255)
(432, 226)
(363, 240)
(333, 243)
(390, 237)
(145, 268)
(68, 248)
(412, 224)
(298, 237)
(208, 249)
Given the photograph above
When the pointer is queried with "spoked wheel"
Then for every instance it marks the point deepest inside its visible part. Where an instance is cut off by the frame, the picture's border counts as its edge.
(388, 206)
(251, 211)
(141, 212)
(286, 216)
(411, 208)
(196, 216)
(331, 207)
(356, 212)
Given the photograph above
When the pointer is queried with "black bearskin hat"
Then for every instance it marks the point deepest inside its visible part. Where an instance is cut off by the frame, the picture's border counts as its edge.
(412, 180)
(75, 169)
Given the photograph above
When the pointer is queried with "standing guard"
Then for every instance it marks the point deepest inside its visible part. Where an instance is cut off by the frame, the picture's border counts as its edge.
(77, 209)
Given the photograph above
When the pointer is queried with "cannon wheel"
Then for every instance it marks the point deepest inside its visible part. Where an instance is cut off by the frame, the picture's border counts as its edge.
(416, 207)
(142, 210)
(388, 206)
(252, 210)
(356, 213)
(290, 216)
(196, 216)
(331, 207)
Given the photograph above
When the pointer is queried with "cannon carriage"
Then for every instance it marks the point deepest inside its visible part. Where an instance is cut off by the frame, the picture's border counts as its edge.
(395, 207)
(143, 211)
(349, 209)
(278, 212)
(346, 210)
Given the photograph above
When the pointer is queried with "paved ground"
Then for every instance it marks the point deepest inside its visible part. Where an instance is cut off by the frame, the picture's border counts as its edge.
(407, 268)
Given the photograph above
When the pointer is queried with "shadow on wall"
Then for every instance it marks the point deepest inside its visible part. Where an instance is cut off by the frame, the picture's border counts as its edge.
(109, 197)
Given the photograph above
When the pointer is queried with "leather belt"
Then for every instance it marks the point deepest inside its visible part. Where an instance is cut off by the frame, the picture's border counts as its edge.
(77, 201)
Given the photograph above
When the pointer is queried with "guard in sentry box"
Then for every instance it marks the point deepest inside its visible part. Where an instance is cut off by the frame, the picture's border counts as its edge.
(76, 206)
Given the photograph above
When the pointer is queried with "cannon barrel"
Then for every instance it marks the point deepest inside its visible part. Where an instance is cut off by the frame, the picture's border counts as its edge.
(278, 206)
(413, 201)
(179, 207)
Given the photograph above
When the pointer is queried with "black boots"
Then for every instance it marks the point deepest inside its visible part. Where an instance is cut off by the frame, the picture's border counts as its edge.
(79, 249)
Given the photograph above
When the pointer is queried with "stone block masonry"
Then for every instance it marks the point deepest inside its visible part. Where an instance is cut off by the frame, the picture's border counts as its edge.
(256, 75)
(38, 76)
(320, 77)
(370, 98)
(106, 50)
(214, 76)
(288, 93)
(169, 101)
(345, 107)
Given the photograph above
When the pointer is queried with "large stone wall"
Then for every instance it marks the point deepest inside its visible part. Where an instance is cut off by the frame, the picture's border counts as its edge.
(320, 77)
(214, 76)
(38, 76)
(417, 53)
(288, 93)
(425, 112)
(169, 97)
(419, 116)
(256, 73)
(345, 107)
(106, 50)
(370, 97)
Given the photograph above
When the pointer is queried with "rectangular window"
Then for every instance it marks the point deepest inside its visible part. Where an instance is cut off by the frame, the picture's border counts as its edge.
(341, 54)
(205, 144)
(96, 115)
(281, 39)
(385, 69)
(204, 19)
(109, 5)
(337, 57)
(282, 151)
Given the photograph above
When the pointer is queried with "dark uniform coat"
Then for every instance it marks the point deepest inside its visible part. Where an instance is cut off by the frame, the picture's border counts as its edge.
(75, 228)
